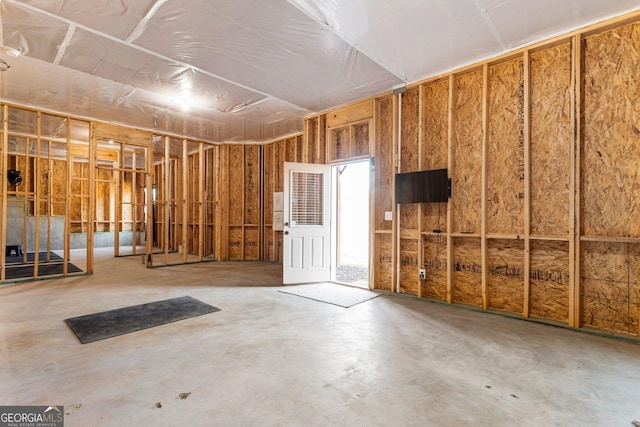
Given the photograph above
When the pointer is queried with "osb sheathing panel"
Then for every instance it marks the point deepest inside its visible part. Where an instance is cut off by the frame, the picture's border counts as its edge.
(551, 140)
(549, 280)
(104, 200)
(280, 246)
(279, 154)
(291, 147)
(193, 190)
(268, 182)
(339, 144)
(59, 187)
(383, 254)
(435, 264)
(410, 149)
(505, 279)
(409, 265)
(300, 152)
(312, 138)
(435, 136)
(505, 149)
(610, 286)
(269, 244)
(360, 143)
(467, 152)
(611, 149)
(235, 243)
(410, 152)
(251, 240)
(252, 184)
(467, 272)
(236, 190)
(321, 152)
(384, 167)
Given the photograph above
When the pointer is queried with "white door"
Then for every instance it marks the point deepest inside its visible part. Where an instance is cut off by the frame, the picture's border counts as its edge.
(307, 223)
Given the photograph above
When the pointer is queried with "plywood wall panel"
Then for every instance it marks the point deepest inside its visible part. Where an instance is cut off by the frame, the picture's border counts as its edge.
(339, 143)
(236, 178)
(410, 145)
(409, 265)
(435, 265)
(251, 243)
(609, 286)
(505, 279)
(59, 187)
(611, 148)
(549, 280)
(279, 159)
(291, 149)
(410, 153)
(467, 272)
(252, 173)
(360, 142)
(384, 167)
(467, 153)
(505, 148)
(235, 243)
(312, 135)
(551, 140)
(383, 254)
(268, 182)
(435, 136)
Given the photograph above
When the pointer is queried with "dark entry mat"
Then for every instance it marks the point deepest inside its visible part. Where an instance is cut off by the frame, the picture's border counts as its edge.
(42, 257)
(107, 324)
(46, 269)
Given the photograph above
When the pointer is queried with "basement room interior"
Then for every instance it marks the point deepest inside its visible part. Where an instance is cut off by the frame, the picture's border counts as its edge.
(299, 212)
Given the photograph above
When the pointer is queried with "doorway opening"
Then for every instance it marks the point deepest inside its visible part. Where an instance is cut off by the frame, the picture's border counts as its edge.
(351, 220)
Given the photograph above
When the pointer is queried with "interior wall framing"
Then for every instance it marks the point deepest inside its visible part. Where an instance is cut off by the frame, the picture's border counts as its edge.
(542, 147)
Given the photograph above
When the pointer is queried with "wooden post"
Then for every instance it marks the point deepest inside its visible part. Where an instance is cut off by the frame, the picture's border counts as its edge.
(575, 202)
(26, 195)
(166, 217)
(483, 190)
(420, 206)
(395, 226)
(36, 198)
(67, 202)
(201, 202)
(49, 198)
(92, 199)
(450, 167)
(149, 175)
(527, 183)
(134, 199)
(118, 210)
(184, 200)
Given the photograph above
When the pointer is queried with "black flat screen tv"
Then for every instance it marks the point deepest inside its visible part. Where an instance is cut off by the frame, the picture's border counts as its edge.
(432, 186)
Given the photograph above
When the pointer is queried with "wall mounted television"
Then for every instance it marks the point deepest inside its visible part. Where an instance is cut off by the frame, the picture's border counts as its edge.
(430, 186)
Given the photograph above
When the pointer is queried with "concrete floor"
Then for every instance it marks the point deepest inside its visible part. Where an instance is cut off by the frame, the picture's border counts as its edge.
(274, 359)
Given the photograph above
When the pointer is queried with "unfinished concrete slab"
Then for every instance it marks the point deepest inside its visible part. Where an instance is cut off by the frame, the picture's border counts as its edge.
(273, 359)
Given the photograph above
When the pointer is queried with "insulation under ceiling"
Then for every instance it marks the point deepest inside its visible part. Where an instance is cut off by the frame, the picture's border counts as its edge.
(234, 70)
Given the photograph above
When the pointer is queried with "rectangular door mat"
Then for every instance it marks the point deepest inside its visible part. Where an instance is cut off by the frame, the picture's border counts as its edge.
(107, 324)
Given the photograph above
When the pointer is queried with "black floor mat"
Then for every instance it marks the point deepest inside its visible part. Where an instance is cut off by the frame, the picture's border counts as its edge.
(46, 269)
(42, 257)
(107, 324)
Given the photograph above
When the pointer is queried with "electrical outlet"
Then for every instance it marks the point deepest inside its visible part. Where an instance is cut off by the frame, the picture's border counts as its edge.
(422, 274)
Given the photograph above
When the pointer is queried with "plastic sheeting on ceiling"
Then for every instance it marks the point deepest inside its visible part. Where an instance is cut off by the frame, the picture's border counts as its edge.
(232, 70)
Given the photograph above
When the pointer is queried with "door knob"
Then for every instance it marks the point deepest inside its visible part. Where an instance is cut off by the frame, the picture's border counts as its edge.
(286, 232)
